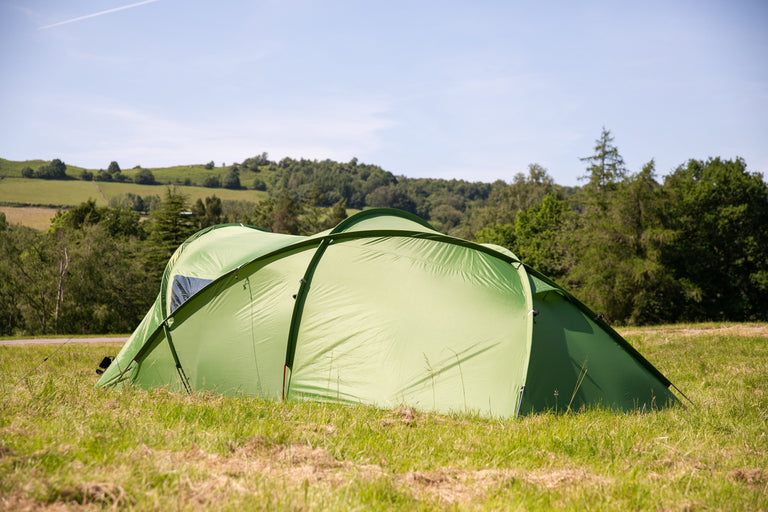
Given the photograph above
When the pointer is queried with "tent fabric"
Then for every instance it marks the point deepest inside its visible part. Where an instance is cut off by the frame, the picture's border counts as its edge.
(380, 310)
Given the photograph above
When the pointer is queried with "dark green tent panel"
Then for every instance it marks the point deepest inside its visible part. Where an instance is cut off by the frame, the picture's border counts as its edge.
(381, 310)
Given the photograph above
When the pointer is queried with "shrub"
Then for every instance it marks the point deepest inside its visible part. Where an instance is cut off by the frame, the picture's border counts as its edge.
(232, 179)
(144, 177)
(212, 182)
(103, 175)
(56, 170)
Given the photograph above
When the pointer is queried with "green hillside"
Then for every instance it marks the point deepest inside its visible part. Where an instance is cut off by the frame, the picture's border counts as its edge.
(189, 175)
(11, 168)
(64, 194)
(114, 189)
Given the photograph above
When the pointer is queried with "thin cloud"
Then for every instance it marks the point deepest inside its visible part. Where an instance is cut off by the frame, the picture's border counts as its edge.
(108, 11)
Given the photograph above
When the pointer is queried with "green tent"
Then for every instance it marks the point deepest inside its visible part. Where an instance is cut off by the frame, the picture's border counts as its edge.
(380, 310)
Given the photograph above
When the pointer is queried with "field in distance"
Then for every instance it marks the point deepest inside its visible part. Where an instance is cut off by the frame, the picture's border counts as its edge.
(33, 202)
(68, 193)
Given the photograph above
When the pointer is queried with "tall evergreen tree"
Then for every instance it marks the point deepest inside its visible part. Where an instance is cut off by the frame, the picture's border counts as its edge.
(279, 215)
(170, 224)
(617, 247)
(606, 166)
(207, 213)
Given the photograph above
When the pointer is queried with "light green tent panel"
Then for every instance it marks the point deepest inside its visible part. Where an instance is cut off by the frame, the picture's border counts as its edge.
(157, 367)
(413, 321)
(231, 338)
(119, 369)
(381, 310)
(217, 250)
(373, 220)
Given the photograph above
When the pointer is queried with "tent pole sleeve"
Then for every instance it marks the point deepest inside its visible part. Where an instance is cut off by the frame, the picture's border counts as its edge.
(179, 369)
(529, 327)
(298, 307)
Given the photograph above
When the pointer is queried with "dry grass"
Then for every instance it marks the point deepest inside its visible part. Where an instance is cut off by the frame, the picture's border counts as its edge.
(34, 217)
(722, 329)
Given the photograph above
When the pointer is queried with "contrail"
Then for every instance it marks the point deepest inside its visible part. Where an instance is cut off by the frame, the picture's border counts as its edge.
(98, 14)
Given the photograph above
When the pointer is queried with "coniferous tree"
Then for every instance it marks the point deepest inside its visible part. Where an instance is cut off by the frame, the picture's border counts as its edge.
(279, 215)
(606, 168)
(286, 215)
(617, 266)
(338, 213)
(170, 224)
(207, 213)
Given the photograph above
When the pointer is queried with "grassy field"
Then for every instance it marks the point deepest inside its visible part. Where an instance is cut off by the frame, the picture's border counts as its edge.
(177, 174)
(113, 189)
(20, 191)
(64, 444)
(52, 193)
(34, 202)
(197, 173)
(11, 168)
(38, 218)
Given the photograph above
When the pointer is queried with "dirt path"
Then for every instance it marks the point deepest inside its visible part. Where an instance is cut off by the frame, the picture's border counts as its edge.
(61, 341)
(100, 192)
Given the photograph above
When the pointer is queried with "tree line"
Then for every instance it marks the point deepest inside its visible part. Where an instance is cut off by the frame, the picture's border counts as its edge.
(693, 247)
(636, 248)
(98, 269)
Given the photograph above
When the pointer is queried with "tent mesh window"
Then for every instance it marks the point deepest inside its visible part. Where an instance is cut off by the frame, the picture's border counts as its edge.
(184, 287)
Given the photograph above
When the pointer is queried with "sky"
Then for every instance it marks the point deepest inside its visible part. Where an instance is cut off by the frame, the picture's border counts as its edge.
(469, 90)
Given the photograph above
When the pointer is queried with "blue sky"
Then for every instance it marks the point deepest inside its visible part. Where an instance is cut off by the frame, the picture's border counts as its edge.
(474, 90)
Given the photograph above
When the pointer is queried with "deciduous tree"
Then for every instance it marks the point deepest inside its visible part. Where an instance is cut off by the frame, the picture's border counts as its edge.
(720, 211)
